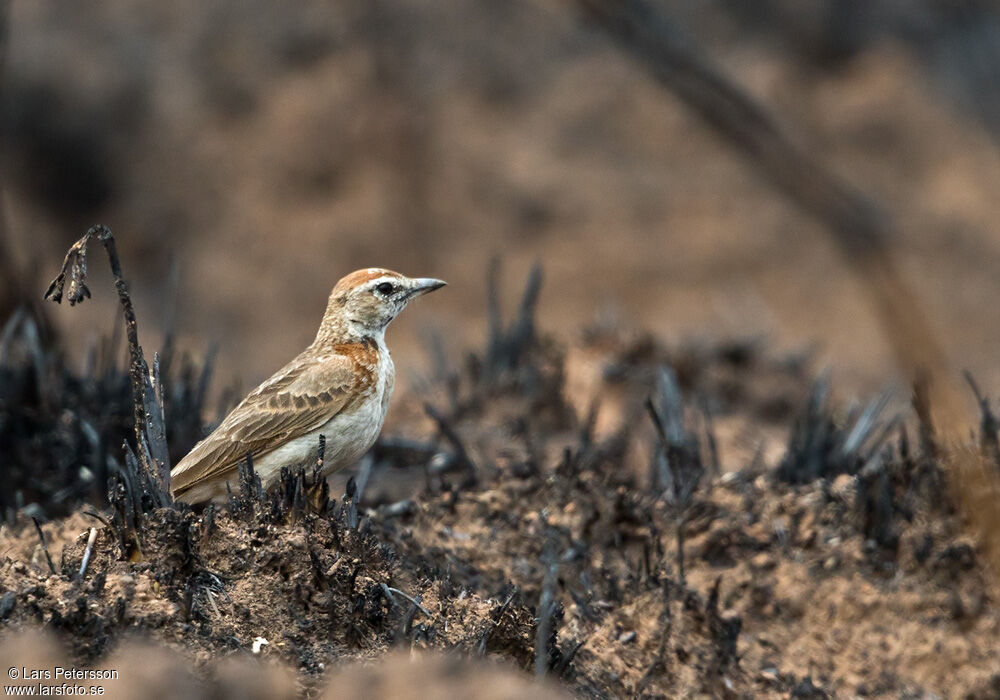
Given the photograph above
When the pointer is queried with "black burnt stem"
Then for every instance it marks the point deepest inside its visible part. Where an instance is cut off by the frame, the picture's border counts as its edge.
(460, 460)
(507, 347)
(677, 467)
(148, 418)
(45, 547)
(989, 425)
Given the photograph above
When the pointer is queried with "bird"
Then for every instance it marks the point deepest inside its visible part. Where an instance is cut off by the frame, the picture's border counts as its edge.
(338, 387)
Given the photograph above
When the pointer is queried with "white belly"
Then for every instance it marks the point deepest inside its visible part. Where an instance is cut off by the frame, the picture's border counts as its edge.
(348, 437)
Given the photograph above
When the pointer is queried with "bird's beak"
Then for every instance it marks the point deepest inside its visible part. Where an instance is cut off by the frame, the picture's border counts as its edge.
(422, 285)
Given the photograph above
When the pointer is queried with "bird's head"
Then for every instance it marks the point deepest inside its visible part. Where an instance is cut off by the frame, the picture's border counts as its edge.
(365, 301)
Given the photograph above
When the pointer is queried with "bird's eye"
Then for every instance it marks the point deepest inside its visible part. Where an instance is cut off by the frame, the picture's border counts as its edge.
(386, 288)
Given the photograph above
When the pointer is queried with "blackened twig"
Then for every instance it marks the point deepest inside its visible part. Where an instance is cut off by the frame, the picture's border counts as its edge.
(560, 669)
(74, 272)
(654, 414)
(988, 423)
(349, 507)
(506, 347)
(449, 434)
(522, 335)
(251, 489)
(546, 610)
(678, 468)
(710, 439)
(680, 532)
(45, 547)
(365, 468)
(320, 453)
(97, 516)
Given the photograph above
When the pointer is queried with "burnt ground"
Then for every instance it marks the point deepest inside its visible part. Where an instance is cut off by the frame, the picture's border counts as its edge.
(527, 511)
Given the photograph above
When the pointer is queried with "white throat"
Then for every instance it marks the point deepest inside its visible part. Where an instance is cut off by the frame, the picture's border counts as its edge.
(360, 331)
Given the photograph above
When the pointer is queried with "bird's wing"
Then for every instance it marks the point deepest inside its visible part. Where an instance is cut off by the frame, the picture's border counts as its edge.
(299, 398)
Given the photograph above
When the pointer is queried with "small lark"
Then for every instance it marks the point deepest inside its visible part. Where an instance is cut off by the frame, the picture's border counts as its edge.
(338, 387)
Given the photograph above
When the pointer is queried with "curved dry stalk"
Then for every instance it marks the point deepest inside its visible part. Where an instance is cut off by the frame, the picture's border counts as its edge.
(150, 433)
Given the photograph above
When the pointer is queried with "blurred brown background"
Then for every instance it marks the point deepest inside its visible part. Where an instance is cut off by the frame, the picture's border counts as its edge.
(268, 148)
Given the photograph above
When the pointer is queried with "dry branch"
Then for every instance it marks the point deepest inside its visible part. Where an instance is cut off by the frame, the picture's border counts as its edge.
(150, 434)
(45, 547)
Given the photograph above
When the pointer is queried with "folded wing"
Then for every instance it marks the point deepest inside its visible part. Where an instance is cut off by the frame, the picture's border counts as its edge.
(299, 398)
